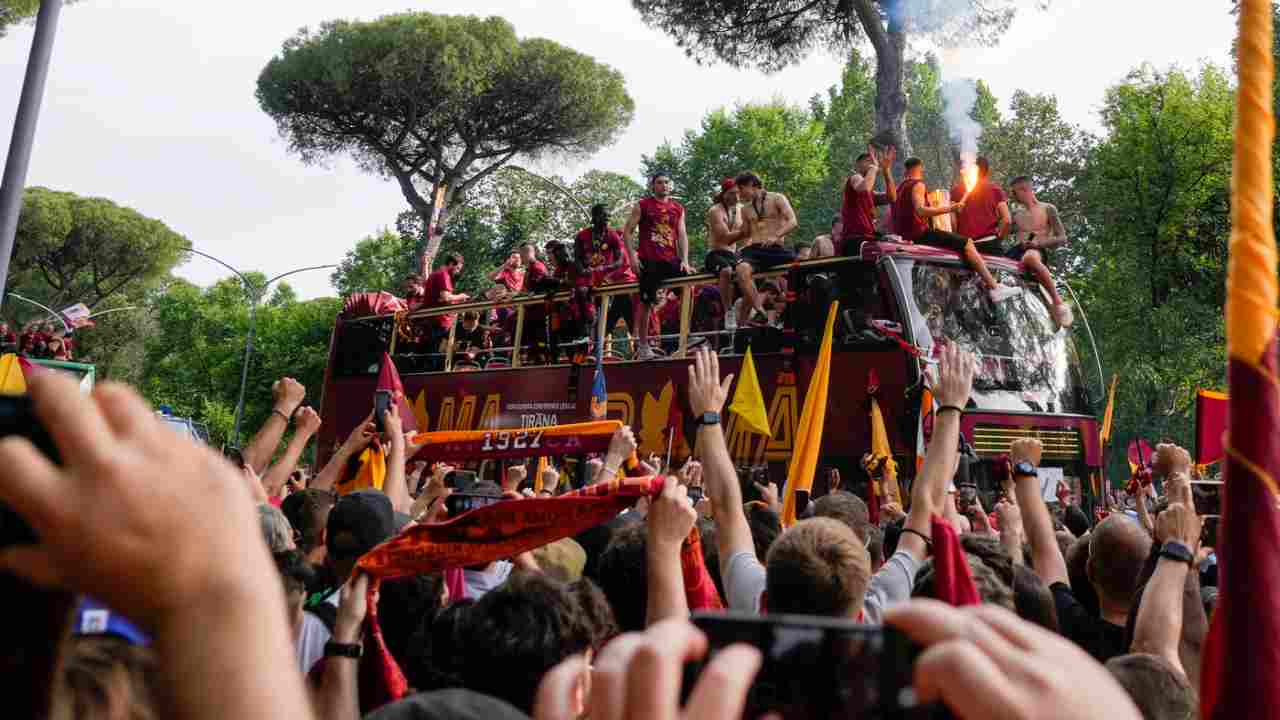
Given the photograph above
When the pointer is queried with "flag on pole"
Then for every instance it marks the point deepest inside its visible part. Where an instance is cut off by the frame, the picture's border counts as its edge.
(1211, 423)
(599, 395)
(1105, 433)
(1242, 653)
(12, 380)
(879, 462)
(748, 401)
(804, 460)
(389, 379)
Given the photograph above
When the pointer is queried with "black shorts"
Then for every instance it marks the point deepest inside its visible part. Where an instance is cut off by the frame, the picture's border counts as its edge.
(717, 260)
(1016, 251)
(652, 275)
(943, 239)
(766, 257)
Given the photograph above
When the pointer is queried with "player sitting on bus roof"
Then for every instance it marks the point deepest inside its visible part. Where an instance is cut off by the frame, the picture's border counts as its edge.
(911, 213)
(985, 209)
(439, 292)
(771, 219)
(1036, 229)
(601, 255)
(662, 250)
(725, 229)
(860, 199)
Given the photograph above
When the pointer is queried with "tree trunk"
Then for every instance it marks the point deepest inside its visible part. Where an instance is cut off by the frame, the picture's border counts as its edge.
(891, 100)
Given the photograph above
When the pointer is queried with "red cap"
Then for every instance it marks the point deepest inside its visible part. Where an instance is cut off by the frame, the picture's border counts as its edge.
(727, 184)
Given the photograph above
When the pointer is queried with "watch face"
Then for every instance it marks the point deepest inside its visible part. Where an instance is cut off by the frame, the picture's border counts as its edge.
(1024, 469)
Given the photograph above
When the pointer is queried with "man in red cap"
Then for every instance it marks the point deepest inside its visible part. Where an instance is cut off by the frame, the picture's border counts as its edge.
(725, 227)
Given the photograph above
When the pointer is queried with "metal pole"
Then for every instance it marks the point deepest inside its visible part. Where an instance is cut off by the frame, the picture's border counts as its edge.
(112, 310)
(244, 366)
(46, 308)
(24, 131)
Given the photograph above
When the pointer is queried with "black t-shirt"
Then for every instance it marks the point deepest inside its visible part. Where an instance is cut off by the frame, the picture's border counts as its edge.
(1098, 637)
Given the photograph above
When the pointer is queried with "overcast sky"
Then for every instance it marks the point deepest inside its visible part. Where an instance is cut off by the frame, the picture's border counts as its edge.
(150, 103)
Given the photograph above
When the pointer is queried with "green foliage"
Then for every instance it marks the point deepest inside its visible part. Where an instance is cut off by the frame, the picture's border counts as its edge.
(13, 12)
(192, 360)
(1157, 198)
(782, 144)
(378, 262)
(848, 120)
(434, 100)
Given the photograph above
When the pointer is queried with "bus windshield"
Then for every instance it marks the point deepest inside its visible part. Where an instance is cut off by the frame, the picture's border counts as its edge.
(1026, 364)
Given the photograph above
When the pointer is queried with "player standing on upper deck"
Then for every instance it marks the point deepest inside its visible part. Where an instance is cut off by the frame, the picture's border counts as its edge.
(771, 219)
(662, 252)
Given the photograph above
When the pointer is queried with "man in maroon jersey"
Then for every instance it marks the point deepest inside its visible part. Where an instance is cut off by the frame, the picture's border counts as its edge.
(662, 253)
(858, 208)
(911, 213)
(439, 292)
(602, 259)
(985, 212)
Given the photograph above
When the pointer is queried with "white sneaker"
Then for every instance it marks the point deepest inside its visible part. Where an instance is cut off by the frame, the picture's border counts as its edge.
(731, 320)
(1002, 293)
(645, 352)
(1062, 315)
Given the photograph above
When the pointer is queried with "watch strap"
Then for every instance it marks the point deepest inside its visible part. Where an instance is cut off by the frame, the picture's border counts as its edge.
(709, 418)
(1174, 550)
(1024, 469)
(347, 650)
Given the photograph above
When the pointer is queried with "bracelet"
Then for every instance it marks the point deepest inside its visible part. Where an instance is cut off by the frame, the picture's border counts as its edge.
(928, 543)
(343, 650)
(277, 411)
(944, 408)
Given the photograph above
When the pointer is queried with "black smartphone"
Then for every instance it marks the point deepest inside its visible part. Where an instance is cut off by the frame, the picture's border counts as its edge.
(38, 619)
(1207, 495)
(458, 503)
(966, 496)
(696, 494)
(381, 402)
(819, 667)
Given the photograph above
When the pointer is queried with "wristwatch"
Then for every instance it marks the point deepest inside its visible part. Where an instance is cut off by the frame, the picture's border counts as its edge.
(708, 418)
(1024, 469)
(346, 650)
(1175, 550)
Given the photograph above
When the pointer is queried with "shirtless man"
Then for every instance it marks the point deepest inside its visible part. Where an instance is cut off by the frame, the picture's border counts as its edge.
(1036, 229)
(771, 219)
(725, 229)
(825, 245)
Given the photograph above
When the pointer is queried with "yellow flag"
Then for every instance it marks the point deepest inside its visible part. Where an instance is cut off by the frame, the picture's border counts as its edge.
(1105, 433)
(370, 473)
(881, 452)
(748, 401)
(804, 461)
(12, 381)
(537, 475)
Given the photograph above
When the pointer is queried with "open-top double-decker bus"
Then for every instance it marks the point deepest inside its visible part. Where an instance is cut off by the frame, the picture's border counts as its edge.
(896, 302)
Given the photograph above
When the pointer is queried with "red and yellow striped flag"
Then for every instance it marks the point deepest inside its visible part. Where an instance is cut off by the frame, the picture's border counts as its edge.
(804, 461)
(1241, 670)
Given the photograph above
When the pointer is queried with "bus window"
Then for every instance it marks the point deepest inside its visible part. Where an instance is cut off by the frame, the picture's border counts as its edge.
(1026, 362)
(360, 346)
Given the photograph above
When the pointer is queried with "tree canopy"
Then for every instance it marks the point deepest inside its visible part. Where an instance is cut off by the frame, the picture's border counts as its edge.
(772, 34)
(438, 102)
(13, 12)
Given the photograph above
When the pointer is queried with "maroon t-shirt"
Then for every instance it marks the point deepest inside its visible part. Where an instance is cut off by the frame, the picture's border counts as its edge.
(598, 257)
(659, 221)
(534, 274)
(439, 283)
(905, 221)
(858, 212)
(981, 214)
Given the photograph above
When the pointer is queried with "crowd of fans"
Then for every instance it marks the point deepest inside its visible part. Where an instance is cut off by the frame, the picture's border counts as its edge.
(233, 591)
(749, 231)
(41, 340)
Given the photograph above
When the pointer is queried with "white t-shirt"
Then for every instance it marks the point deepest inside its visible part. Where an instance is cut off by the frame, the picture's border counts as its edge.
(479, 582)
(745, 581)
(311, 640)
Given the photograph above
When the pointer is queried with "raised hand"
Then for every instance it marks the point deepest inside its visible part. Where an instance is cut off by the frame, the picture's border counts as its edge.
(287, 394)
(307, 420)
(956, 369)
(707, 391)
(360, 437)
(1171, 460)
(890, 156)
(671, 517)
(621, 445)
(1026, 450)
(769, 494)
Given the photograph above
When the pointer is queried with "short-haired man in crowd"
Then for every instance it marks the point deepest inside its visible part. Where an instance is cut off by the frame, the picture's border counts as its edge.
(858, 206)
(725, 229)
(1036, 230)
(438, 292)
(662, 251)
(771, 219)
(911, 214)
(820, 566)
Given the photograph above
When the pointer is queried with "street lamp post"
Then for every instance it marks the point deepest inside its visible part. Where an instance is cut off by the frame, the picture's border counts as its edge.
(255, 296)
